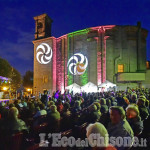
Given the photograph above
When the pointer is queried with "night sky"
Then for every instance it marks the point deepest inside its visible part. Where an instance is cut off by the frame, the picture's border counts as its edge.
(17, 25)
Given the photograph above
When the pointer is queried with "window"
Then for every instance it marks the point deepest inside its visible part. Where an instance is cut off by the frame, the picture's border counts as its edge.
(45, 79)
(147, 64)
(120, 68)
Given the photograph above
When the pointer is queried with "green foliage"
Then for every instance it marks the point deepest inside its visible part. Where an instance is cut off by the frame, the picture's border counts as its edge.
(16, 80)
(28, 79)
(84, 78)
(8, 71)
(5, 68)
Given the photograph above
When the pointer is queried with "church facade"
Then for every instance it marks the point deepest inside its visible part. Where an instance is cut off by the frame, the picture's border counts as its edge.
(111, 53)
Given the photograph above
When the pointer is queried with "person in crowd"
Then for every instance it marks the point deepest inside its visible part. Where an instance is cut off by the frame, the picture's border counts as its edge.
(98, 129)
(77, 107)
(24, 103)
(12, 124)
(119, 127)
(50, 103)
(98, 107)
(147, 105)
(59, 105)
(54, 115)
(11, 105)
(42, 111)
(134, 119)
(30, 110)
(126, 100)
(2, 107)
(93, 115)
(44, 98)
(144, 112)
(108, 102)
(113, 101)
(133, 98)
(66, 110)
(104, 107)
(16, 103)
(120, 100)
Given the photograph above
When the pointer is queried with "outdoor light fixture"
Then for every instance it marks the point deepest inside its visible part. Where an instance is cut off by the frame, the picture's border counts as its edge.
(5, 88)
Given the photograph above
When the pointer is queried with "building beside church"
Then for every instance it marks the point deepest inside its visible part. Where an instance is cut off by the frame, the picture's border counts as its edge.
(113, 53)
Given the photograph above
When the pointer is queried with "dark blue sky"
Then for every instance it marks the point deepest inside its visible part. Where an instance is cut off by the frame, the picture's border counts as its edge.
(17, 25)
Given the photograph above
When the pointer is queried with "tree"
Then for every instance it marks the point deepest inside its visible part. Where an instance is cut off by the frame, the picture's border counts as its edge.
(8, 71)
(5, 68)
(16, 80)
(28, 79)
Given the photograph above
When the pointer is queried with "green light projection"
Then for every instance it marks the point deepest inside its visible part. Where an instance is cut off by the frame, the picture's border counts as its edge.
(83, 77)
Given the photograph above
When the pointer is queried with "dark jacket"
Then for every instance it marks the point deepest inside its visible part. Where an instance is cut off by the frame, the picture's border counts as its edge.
(144, 113)
(136, 125)
(11, 126)
(104, 109)
(122, 129)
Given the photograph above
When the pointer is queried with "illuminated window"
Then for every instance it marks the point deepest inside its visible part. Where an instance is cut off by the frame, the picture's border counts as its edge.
(120, 68)
(45, 79)
(147, 64)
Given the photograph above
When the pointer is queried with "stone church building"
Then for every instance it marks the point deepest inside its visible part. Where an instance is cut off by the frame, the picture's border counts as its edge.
(114, 53)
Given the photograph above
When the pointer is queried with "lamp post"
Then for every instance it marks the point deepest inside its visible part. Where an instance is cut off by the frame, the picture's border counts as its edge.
(29, 90)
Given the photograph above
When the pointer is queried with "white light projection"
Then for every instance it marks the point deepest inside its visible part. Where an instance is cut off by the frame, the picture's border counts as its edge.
(44, 53)
(77, 64)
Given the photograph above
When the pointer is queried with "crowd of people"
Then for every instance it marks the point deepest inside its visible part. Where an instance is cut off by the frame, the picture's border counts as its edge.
(118, 114)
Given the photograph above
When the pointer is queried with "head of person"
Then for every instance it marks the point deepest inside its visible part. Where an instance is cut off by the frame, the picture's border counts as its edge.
(42, 106)
(112, 99)
(59, 102)
(31, 105)
(92, 108)
(117, 114)
(108, 102)
(119, 95)
(11, 105)
(77, 103)
(134, 96)
(13, 113)
(45, 92)
(141, 101)
(147, 103)
(97, 105)
(2, 104)
(53, 108)
(132, 111)
(66, 106)
(102, 101)
(97, 129)
(51, 103)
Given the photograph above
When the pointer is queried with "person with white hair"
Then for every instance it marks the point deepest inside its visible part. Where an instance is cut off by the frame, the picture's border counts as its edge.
(98, 137)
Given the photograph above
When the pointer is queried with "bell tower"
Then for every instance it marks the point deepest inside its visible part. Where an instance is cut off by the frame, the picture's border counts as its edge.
(42, 26)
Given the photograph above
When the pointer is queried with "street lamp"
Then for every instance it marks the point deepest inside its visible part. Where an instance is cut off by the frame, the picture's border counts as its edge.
(29, 90)
(5, 88)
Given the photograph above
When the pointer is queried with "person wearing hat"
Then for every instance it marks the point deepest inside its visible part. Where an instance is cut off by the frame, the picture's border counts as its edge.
(134, 119)
(144, 113)
(12, 124)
